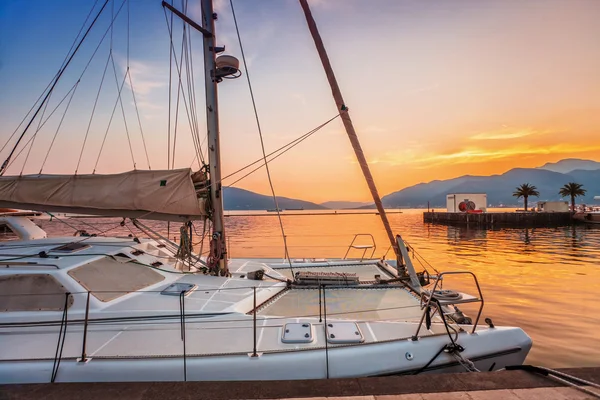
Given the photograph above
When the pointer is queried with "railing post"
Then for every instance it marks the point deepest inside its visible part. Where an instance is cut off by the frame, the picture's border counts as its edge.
(254, 353)
(320, 318)
(325, 331)
(85, 326)
(182, 317)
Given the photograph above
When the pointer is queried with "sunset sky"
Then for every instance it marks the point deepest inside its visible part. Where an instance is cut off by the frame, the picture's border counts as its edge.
(436, 89)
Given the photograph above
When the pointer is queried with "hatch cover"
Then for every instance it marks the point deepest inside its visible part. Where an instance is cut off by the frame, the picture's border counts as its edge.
(344, 332)
(297, 333)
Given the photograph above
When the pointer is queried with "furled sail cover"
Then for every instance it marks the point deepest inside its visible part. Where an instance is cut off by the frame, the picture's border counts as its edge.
(161, 195)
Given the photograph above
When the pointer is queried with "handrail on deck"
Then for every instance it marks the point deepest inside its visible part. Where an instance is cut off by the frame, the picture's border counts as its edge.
(362, 247)
(429, 296)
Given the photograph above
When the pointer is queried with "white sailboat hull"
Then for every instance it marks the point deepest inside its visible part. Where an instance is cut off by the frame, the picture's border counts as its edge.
(489, 349)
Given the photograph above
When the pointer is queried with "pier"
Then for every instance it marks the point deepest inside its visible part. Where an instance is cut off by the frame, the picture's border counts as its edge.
(506, 385)
(500, 219)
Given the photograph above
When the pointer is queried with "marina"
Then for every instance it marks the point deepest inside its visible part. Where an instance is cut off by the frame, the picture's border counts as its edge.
(134, 281)
(111, 300)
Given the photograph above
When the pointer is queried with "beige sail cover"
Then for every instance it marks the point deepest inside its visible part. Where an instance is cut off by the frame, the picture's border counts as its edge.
(164, 195)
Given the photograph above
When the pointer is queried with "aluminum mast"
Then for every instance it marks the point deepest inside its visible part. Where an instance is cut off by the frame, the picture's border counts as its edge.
(212, 124)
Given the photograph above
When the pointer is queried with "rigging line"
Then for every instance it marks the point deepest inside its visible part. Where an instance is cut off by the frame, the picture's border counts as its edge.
(108, 127)
(112, 13)
(184, 57)
(290, 144)
(12, 161)
(35, 134)
(262, 165)
(194, 107)
(92, 114)
(128, 23)
(194, 131)
(180, 88)
(192, 92)
(262, 144)
(4, 165)
(137, 112)
(51, 80)
(214, 183)
(192, 115)
(58, 127)
(170, 90)
(120, 100)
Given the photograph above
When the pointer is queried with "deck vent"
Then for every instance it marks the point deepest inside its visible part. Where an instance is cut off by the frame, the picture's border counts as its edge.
(71, 247)
(297, 333)
(344, 332)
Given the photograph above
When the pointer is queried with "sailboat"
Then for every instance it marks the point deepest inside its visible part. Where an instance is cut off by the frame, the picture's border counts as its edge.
(102, 308)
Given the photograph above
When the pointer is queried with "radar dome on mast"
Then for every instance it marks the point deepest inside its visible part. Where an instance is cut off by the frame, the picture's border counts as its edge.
(228, 67)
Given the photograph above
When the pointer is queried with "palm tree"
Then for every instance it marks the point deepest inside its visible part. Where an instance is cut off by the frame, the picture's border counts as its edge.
(524, 191)
(572, 190)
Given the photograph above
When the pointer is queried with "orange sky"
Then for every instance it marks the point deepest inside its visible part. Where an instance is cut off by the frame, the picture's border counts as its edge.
(436, 90)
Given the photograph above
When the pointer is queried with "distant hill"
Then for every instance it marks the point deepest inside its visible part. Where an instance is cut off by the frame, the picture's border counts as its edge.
(343, 205)
(499, 188)
(571, 164)
(241, 199)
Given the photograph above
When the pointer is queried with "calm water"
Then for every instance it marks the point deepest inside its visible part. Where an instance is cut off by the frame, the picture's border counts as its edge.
(546, 281)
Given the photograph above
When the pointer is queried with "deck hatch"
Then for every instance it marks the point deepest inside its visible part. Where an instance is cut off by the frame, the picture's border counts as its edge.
(297, 333)
(71, 247)
(176, 288)
(344, 332)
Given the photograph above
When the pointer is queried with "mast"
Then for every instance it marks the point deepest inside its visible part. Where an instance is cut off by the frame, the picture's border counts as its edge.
(214, 149)
(339, 101)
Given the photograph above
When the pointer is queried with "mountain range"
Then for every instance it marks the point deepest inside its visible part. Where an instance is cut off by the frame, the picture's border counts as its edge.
(499, 188)
(241, 199)
(548, 179)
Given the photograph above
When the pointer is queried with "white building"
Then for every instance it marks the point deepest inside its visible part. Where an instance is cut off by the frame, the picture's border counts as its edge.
(463, 202)
(553, 206)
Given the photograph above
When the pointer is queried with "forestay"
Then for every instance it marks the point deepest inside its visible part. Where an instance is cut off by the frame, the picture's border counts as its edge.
(161, 195)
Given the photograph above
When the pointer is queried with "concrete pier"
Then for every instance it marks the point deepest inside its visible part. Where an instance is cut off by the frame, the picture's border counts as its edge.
(509, 385)
(504, 219)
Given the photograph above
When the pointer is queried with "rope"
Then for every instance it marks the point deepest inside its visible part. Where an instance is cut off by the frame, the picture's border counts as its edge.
(12, 161)
(120, 101)
(289, 146)
(61, 335)
(180, 88)
(137, 112)
(62, 70)
(92, 114)
(54, 77)
(36, 132)
(57, 130)
(262, 144)
(109, 123)
(170, 89)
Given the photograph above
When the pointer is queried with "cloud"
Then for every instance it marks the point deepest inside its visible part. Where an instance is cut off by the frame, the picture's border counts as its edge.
(476, 155)
(507, 133)
(145, 77)
(419, 159)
